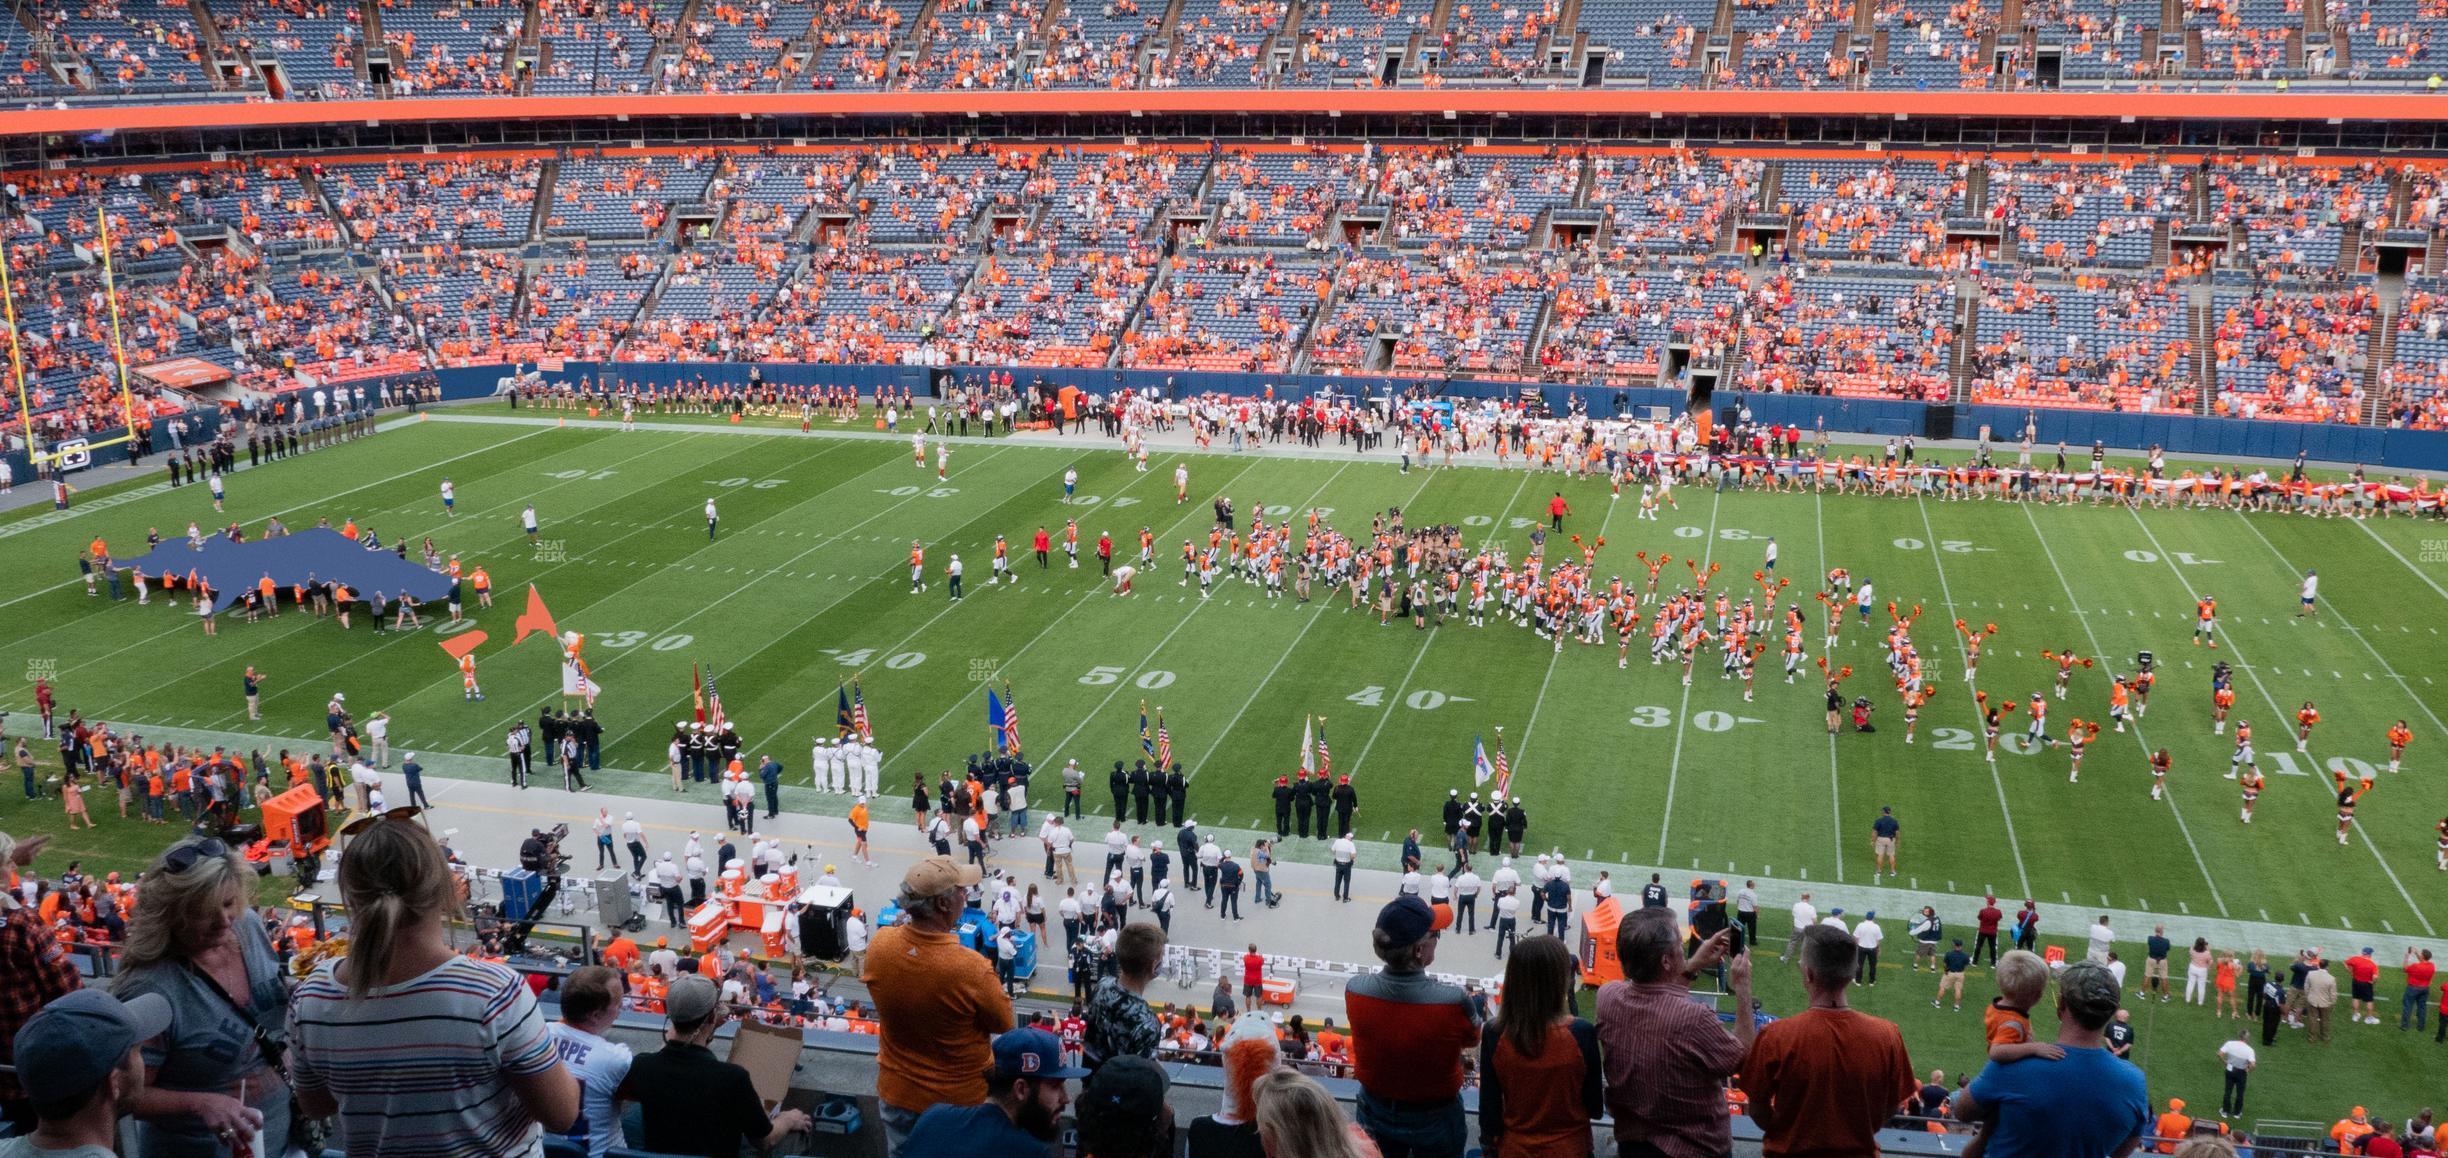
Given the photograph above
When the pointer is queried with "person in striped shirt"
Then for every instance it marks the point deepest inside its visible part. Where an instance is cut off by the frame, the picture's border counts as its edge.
(419, 1051)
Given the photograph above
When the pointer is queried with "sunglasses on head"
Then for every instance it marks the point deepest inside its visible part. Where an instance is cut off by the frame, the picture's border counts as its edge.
(185, 856)
(369, 820)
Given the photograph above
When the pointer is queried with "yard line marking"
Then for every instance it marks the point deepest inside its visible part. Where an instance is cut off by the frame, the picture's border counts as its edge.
(1494, 529)
(2391, 548)
(1946, 593)
(2289, 564)
(2280, 713)
(2093, 636)
(1835, 788)
(1188, 511)
(1521, 755)
(2180, 907)
(1674, 764)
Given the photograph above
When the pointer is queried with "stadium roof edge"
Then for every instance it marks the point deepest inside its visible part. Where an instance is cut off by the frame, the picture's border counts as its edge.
(2320, 107)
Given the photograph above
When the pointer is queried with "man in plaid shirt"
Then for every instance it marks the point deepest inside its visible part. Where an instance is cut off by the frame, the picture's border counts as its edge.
(39, 972)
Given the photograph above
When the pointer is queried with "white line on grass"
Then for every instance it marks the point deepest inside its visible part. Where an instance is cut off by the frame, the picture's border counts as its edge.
(2093, 637)
(1188, 511)
(1521, 754)
(1495, 528)
(2352, 630)
(2280, 714)
(1946, 594)
(1835, 788)
(2391, 548)
(1674, 765)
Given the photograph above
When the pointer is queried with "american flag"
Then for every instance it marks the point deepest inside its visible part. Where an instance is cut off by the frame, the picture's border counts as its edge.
(858, 713)
(1164, 742)
(714, 712)
(1504, 773)
(1325, 760)
(1011, 718)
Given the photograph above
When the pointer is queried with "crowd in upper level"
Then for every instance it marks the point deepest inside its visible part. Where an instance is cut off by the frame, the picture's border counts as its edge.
(154, 50)
(2263, 288)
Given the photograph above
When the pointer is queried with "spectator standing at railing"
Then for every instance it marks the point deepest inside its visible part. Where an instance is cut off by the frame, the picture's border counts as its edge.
(1409, 1031)
(938, 1005)
(38, 968)
(214, 1077)
(1540, 1075)
(1823, 1081)
(1667, 1057)
(2087, 1102)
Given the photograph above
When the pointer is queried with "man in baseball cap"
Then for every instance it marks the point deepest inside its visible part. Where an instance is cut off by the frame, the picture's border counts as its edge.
(79, 1062)
(1409, 1031)
(937, 1001)
(1027, 1091)
(690, 1101)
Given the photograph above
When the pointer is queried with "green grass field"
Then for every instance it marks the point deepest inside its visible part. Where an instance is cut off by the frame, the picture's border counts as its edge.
(807, 587)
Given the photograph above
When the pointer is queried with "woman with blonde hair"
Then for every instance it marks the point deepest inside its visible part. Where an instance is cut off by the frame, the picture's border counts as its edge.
(1297, 1118)
(416, 1048)
(214, 1078)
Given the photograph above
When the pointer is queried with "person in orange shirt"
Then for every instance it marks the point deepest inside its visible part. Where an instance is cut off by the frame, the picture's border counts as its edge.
(271, 595)
(858, 832)
(2172, 1127)
(2398, 738)
(2305, 717)
(484, 587)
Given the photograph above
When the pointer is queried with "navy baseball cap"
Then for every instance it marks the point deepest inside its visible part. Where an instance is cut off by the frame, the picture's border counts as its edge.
(1032, 1053)
(67, 1048)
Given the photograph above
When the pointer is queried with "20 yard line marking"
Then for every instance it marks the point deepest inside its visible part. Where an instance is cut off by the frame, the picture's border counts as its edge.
(2093, 637)
(2280, 713)
(1963, 650)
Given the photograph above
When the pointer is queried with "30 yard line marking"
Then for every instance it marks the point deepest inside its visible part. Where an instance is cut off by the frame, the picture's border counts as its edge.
(2352, 630)
(1674, 763)
(1946, 594)
(2280, 713)
(1835, 787)
(2093, 637)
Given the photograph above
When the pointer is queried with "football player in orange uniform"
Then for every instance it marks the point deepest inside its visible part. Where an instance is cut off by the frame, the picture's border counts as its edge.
(2398, 738)
(2205, 621)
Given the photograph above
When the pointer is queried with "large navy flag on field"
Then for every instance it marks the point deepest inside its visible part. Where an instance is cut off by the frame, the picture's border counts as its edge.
(994, 717)
(229, 569)
(842, 728)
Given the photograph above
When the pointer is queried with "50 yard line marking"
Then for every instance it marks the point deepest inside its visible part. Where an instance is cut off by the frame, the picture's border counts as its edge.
(1495, 529)
(1674, 764)
(2093, 637)
(1157, 650)
(2280, 714)
(1946, 594)
(962, 700)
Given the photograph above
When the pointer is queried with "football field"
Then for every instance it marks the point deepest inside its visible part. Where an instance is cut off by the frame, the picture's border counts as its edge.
(806, 587)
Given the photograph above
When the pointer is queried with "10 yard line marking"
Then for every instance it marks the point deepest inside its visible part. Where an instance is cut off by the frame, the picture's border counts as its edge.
(1835, 786)
(1495, 529)
(1946, 593)
(1674, 764)
(963, 701)
(2280, 713)
(2093, 637)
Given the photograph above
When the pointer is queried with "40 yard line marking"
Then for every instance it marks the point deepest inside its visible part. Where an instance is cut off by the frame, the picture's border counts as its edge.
(1835, 787)
(1947, 595)
(2093, 637)
(1495, 528)
(1315, 615)
(1674, 764)
(2279, 713)
(1190, 511)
